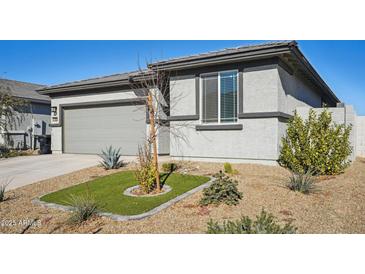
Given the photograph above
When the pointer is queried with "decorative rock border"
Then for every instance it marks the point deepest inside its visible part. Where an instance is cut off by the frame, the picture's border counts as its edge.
(118, 217)
(129, 191)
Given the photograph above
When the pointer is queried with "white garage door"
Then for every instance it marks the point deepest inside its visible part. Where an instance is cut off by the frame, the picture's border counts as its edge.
(90, 129)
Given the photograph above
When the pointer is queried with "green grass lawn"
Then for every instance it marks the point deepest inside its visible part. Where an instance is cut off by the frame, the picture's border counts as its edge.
(108, 191)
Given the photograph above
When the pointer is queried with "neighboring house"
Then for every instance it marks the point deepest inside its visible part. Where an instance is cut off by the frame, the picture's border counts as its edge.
(34, 122)
(229, 105)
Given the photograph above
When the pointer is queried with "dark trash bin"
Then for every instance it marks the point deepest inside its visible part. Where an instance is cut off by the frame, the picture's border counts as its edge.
(44, 144)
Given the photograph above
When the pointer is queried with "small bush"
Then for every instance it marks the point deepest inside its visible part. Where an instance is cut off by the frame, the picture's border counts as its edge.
(302, 182)
(228, 169)
(84, 207)
(265, 223)
(222, 190)
(169, 167)
(110, 158)
(316, 144)
(146, 172)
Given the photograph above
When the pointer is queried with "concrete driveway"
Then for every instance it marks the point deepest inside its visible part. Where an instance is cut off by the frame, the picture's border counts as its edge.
(26, 170)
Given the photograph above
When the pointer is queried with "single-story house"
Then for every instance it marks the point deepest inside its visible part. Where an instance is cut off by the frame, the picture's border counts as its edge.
(229, 105)
(34, 122)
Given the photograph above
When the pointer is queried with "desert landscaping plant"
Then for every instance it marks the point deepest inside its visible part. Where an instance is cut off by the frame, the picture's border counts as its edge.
(111, 158)
(146, 171)
(301, 182)
(222, 190)
(84, 207)
(229, 169)
(316, 144)
(3, 187)
(265, 223)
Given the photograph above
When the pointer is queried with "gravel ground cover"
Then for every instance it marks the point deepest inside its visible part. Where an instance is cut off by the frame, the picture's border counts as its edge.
(338, 205)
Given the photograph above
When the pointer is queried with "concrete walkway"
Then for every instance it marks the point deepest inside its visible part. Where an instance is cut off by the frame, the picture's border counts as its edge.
(26, 170)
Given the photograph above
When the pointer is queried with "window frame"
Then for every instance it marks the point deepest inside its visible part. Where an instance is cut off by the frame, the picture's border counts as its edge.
(219, 96)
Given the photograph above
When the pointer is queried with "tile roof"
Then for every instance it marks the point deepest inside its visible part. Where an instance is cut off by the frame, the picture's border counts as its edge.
(101, 79)
(23, 89)
(127, 75)
(227, 51)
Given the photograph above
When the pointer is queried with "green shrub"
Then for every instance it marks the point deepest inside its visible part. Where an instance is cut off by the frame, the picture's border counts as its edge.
(222, 190)
(301, 182)
(110, 158)
(169, 167)
(84, 207)
(316, 144)
(146, 172)
(265, 223)
(228, 168)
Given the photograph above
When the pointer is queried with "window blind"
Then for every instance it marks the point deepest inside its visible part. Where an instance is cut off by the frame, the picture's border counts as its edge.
(210, 98)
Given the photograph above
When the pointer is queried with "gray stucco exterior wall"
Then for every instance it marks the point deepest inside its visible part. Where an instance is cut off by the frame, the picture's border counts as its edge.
(294, 92)
(37, 118)
(266, 91)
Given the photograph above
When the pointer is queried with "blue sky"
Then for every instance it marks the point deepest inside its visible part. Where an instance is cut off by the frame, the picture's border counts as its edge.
(340, 63)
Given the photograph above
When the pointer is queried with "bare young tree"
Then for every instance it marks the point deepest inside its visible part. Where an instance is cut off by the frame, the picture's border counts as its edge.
(155, 87)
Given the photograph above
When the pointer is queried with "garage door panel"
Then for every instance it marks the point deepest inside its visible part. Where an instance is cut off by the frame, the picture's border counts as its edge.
(91, 129)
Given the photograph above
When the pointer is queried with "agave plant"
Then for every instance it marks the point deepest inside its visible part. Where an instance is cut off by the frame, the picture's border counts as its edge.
(111, 158)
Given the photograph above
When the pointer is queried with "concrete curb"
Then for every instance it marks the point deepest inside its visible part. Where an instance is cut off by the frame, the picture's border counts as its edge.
(129, 191)
(117, 217)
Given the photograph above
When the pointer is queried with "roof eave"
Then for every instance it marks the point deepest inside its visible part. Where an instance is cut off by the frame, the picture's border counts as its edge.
(310, 69)
(51, 90)
(128, 81)
(216, 60)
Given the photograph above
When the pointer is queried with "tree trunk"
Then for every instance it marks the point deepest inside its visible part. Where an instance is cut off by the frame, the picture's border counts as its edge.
(151, 111)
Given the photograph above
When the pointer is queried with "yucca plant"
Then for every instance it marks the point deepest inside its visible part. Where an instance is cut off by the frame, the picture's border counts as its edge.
(265, 223)
(111, 158)
(301, 182)
(84, 207)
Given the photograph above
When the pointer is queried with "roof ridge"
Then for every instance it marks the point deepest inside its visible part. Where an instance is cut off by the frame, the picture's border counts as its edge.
(22, 82)
(268, 43)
